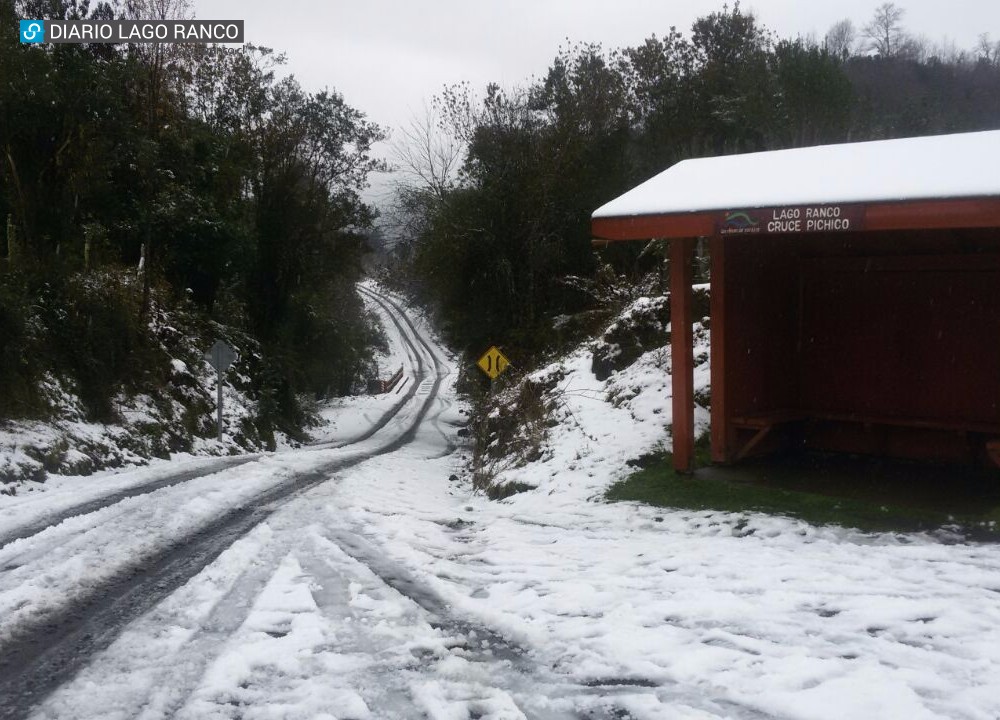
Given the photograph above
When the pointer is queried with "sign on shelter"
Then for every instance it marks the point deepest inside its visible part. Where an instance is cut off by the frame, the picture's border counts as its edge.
(791, 220)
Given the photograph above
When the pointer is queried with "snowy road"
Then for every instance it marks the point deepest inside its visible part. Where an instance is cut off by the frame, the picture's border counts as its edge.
(41, 513)
(76, 570)
(358, 580)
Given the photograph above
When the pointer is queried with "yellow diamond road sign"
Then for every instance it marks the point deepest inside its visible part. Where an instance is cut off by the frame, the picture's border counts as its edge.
(493, 362)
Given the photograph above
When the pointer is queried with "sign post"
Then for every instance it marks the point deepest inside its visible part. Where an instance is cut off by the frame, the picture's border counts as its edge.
(221, 356)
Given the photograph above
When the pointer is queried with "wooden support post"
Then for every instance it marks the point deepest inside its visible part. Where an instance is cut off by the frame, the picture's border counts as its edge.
(993, 450)
(721, 442)
(682, 353)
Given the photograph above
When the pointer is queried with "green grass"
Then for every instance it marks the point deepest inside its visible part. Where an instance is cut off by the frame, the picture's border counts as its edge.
(655, 483)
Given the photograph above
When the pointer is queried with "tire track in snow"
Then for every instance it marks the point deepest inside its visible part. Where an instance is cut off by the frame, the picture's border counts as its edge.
(90, 506)
(185, 666)
(43, 657)
(515, 671)
(539, 692)
(418, 375)
(418, 380)
(178, 670)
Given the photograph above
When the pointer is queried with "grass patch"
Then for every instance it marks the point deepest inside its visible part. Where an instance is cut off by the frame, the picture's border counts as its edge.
(662, 459)
(655, 483)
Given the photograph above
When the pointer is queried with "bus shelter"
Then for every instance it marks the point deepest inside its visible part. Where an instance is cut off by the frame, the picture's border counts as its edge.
(855, 296)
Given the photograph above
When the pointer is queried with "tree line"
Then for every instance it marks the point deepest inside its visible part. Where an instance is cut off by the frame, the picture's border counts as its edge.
(492, 221)
(183, 175)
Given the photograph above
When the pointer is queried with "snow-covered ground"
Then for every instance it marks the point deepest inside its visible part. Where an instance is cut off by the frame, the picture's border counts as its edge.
(393, 591)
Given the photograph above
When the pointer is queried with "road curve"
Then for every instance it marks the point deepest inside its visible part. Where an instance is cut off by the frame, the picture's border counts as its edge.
(419, 372)
(39, 659)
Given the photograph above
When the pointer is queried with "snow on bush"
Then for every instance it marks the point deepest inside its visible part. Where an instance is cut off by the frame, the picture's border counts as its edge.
(167, 415)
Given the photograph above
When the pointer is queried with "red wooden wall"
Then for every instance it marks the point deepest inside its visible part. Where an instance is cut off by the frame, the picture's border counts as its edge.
(902, 327)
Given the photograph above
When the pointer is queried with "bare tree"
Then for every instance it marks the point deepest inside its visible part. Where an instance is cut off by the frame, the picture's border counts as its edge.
(988, 51)
(884, 35)
(948, 52)
(914, 47)
(427, 156)
(839, 40)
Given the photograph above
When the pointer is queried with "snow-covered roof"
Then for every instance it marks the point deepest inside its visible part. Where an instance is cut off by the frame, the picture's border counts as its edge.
(965, 165)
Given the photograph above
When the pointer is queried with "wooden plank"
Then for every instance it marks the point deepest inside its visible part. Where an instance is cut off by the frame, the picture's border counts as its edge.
(682, 353)
(988, 262)
(777, 417)
(754, 442)
(971, 426)
(993, 451)
(931, 214)
(760, 420)
(645, 227)
(895, 215)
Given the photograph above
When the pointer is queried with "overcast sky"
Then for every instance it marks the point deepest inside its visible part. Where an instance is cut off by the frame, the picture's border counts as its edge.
(387, 57)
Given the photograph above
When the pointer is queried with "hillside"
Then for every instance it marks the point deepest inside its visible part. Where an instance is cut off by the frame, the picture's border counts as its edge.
(577, 421)
(163, 408)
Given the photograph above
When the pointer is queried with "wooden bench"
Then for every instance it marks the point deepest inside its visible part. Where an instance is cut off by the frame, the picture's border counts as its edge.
(764, 423)
(920, 423)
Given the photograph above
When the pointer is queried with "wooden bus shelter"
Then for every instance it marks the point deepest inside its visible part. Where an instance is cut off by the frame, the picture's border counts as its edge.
(855, 296)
